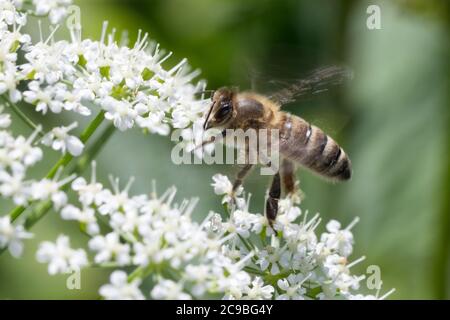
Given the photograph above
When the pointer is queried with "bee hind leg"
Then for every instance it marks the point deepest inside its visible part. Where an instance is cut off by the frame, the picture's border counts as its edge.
(288, 173)
(272, 200)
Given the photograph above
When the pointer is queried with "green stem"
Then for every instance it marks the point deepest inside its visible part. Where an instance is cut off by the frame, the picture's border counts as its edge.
(247, 244)
(65, 159)
(162, 269)
(84, 137)
(94, 149)
(107, 265)
(79, 168)
(38, 213)
(140, 273)
(254, 271)
(16, 212)
(250, 247)
(22, 115)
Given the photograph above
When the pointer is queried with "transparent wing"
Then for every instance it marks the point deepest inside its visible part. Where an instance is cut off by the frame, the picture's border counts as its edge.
(318, 81)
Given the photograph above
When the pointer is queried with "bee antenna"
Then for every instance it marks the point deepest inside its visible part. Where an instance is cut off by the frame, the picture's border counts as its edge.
(208, 115)
(216, 138)
(205, 91)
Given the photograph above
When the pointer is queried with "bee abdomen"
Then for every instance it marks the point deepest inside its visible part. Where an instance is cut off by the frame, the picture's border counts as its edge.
(312, 148)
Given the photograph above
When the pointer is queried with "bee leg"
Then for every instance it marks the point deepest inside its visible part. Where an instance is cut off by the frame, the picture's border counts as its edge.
(242, 173)
(239, 179)
(288, 170)
(272, 200)
(290, 185)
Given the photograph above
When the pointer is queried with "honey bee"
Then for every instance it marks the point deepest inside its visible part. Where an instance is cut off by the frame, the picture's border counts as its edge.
(300, 143)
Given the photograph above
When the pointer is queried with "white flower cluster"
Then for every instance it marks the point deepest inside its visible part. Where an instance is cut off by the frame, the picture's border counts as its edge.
(128, 83)
(17, 155)
(11, 236)
(60, 257)
(16, 10)
(236, 258)
(55, 9)
(59, 139)
(300, 263)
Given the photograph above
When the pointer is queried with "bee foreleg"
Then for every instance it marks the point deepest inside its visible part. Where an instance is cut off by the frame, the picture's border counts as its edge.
(245, 169)
(272, 200)
(241, 176)
(238, 182)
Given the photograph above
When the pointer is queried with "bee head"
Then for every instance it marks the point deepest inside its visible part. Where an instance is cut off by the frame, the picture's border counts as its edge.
(221, 110)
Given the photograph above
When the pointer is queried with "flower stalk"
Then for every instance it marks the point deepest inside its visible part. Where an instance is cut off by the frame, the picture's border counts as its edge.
(41, 209)
(22, 115)
(63, 162)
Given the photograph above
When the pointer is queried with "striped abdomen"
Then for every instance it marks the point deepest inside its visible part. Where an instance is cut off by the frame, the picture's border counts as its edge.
(309, 146)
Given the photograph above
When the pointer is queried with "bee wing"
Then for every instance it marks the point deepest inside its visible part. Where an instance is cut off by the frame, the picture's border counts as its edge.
(316, 82)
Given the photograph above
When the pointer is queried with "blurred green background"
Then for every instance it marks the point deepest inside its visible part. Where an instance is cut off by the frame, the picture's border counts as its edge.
(392, 119)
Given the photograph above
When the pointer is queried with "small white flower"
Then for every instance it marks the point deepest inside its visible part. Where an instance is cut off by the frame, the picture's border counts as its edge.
(14, 185)
(43, 98)
(334, 265)
(85, 216)
(337, 239)
(214, 224)
(22, 150)
(50, 189)
(154, 123)
(55, 9)
(5, 120)
(273, 256)
(223, 186)
(61, 258)
(230, 278)
(8, 84)
(71, 100)
(199, 275)
(59, 139)
(258, 291)
(242, 222)
(109, 249)
(88, 193)
(110, 203)
(10, 15)
(11, 236)
(121, 289)
(121, 113)
(129, 221)
(169, 290)
(292, 287)
(149, 250)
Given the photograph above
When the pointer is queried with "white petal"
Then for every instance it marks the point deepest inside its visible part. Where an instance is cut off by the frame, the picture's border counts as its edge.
(74, 145)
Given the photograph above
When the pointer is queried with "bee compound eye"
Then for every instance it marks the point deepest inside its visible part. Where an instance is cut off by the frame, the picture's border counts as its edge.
(223, 111)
